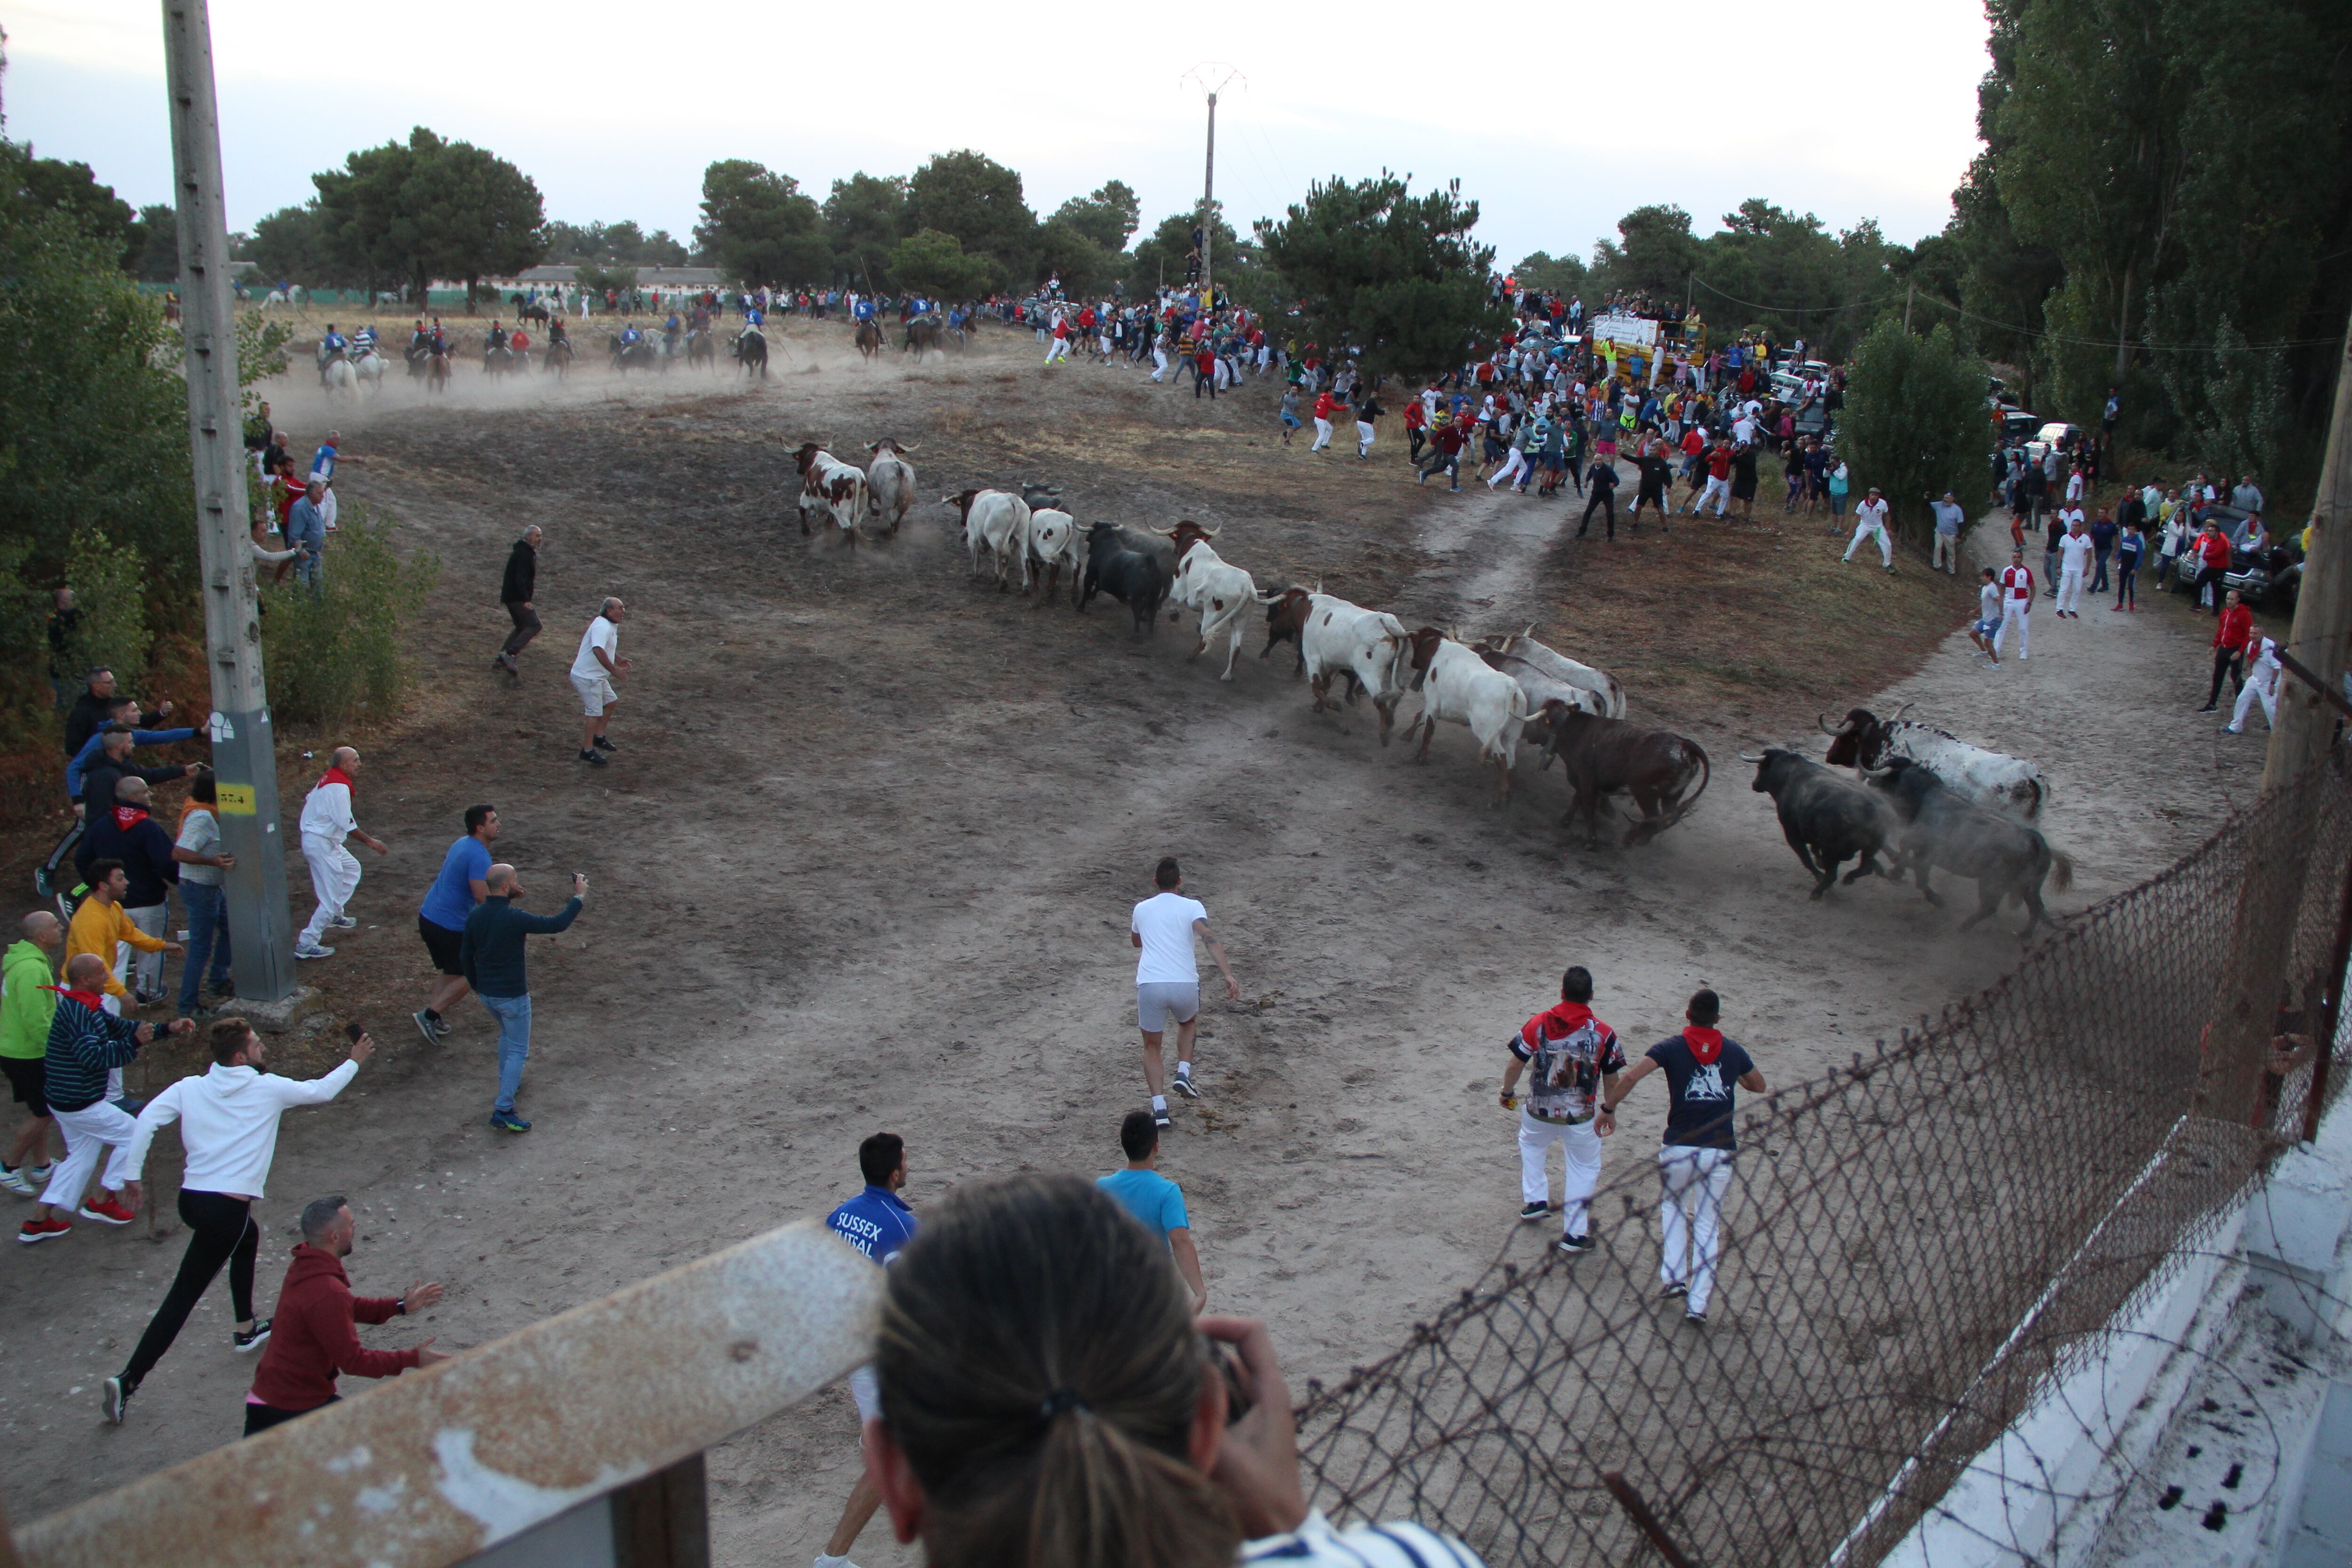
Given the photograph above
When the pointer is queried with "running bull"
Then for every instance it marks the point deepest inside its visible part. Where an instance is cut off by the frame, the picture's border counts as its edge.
(1603, 756)
(1827, 818)
(1942, 830)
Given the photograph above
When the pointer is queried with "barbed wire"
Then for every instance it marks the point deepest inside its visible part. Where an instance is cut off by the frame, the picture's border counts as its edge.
(1917, 1247)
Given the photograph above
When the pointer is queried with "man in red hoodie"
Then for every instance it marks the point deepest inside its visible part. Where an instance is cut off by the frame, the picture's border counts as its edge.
(2230, 637)
(314, 1334)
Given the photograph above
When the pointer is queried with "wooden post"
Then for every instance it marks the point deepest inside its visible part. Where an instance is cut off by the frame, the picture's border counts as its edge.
(2253, 974)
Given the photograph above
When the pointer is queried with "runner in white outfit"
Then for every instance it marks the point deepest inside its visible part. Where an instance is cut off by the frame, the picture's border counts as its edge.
(1168, 978)
(2262, 682)
(326, 822)
(2074, 562)
(1869, 518)
(1576, 1059)
(2016, 606)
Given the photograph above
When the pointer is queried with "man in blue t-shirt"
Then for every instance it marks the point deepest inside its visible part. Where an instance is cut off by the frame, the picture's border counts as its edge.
(878, 1223)
(1156, 1201)
(1703, 1071)
(460, 885)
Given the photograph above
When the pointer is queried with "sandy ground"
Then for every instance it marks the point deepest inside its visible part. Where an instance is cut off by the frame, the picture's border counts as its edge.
(866, 858)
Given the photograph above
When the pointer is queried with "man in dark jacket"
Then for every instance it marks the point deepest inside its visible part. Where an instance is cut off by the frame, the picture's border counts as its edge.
(516, 592)
(129, 834)
(101, 786)
(314, 1334)
(85, 1043)
(88, 714)
(492, 955)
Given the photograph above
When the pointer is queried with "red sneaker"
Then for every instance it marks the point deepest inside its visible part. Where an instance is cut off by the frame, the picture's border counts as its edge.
(34, 1230)
(109, 1210)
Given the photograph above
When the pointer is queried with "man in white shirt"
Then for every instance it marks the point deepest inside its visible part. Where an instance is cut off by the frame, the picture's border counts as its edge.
(1168, 978)
(326, 822)
(595, 669)
(228, 1128)
(2016, 606)
(1870, 518)
(2262, 681)
(2074, 561)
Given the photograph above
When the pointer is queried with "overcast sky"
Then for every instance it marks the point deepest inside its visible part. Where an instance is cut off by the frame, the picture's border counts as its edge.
(1850, 108)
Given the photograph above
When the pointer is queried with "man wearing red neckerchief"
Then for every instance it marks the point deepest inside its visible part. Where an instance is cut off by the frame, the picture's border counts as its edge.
(1695, 1160)
(1576, 1059)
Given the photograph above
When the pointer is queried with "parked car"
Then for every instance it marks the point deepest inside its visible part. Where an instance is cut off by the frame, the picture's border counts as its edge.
(2056, 432)
(2270, 579)
(2016, 424)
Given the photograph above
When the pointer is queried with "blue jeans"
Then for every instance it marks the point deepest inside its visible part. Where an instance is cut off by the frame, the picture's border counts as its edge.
(207, 939)
(513, 1014)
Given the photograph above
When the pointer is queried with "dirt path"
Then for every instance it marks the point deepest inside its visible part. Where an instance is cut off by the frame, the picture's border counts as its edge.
(865, 859)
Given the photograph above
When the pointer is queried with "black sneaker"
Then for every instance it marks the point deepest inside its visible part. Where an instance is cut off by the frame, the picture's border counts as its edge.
(1575, 1243)
(1159, 1120)
(426, 1027)
(605, 743)
(1185, 1087)
(252, 1341)
(1673, 1290)
(1696, 1320)
(117, 1397)
(596, 757)
(1536, 1210)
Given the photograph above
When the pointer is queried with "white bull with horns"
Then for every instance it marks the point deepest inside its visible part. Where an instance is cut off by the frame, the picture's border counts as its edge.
(889, 483)
(1866, 743)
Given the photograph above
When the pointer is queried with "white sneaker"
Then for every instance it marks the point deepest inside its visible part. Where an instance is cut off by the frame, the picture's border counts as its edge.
(314, 950)
(348, 922)
(15, 1181)
(825, 1560)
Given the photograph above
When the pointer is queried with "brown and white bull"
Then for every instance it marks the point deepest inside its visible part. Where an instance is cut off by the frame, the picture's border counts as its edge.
(993, 521)
(1052, 541)
(1365, 647)
(1286, 621)
(831, 487)
(1221, 592)
(1457, 685)
(890, 483)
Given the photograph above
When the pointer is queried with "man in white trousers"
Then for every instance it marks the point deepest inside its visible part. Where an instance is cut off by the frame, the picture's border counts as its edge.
(1575, 1059)
(1870, 518)
(1695, 1159)
(326, 821)
(2262, 681)
(2016, 606)
(2074, 564)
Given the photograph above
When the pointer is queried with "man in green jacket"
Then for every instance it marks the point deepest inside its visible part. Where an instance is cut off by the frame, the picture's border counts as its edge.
(26, 1005)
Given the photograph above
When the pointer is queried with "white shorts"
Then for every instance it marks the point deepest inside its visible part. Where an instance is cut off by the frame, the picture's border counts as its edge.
(1157, 1000)
(595, 696)
(866, 1389)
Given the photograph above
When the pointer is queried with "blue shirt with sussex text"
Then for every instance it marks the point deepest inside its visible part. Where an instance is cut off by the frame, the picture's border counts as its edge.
(877, 1222)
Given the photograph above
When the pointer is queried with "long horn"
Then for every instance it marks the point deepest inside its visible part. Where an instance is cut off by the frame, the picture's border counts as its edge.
(873, 446)
(904, 450)
(1823, 719)
(1746, 758)
(1212, 532)
(1902, 711)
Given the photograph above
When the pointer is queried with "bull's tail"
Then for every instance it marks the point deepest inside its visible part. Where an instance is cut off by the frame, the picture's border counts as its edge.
(1706, 773)
(2062, 870)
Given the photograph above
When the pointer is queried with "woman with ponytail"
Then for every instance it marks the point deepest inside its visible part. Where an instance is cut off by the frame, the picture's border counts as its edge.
(1048, 1402)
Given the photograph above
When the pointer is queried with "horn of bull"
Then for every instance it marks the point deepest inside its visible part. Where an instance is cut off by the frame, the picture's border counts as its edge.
(1746, 758)
(1902, 711)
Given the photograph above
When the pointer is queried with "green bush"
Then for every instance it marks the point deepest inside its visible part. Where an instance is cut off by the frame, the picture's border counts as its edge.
(110, 584)
(335, 656)
(1914, 423)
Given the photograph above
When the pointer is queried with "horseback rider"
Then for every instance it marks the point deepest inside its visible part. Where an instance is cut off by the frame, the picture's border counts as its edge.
(556, 334)
(331, 347)
(498, 339)
(521, 343)
(699, 322)
(419, 345)
(362, 341)
(630, 337)
(438, 342)
(671, 330)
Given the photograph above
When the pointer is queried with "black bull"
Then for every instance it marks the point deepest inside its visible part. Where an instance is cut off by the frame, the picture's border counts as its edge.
(2007, 858)
(1134, 579)
(1827, 818)
(1602, 757)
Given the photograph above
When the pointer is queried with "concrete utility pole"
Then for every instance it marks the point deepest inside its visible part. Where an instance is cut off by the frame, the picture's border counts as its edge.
(243, 763)
(1214, 77)
(2254, 975)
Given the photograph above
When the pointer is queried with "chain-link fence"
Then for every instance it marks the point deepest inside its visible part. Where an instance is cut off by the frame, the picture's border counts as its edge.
(1912, 1247)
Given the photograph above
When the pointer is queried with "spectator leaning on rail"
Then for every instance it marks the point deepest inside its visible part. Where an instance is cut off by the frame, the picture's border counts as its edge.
(1048, 1399)
(228, 1127)
(314, 1334)
(491, 955)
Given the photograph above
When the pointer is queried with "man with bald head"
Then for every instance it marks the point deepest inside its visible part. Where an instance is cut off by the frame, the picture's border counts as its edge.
(326, 821)
(492, 955)
(28, 1001)
(86, 1046)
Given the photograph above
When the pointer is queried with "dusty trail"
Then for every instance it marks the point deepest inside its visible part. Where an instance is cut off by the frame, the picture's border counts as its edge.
(865, 861)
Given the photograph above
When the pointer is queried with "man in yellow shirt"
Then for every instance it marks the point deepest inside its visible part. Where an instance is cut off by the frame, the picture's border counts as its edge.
(100, 925)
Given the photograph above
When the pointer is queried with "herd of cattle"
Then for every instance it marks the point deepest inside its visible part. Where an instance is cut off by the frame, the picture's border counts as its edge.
(1920, 797)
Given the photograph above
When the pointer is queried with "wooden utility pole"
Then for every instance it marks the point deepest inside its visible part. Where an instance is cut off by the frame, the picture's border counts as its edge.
(243, 760)
(2254, 977)
(1209, 213)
